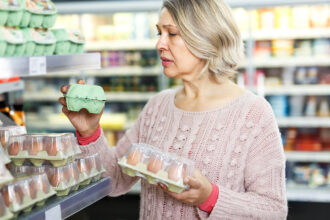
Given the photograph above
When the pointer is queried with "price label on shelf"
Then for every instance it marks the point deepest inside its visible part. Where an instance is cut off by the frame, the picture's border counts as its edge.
(53, 213)
(37, 66)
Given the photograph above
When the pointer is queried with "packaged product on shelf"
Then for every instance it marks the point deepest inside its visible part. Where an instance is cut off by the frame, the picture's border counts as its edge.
(323, 110)
(156, 166)
(308, 141)
(57, 149)
(27, 192)
(90, 97)
(280, 105)
(283, 17)
(297, 105)
(5, 213)
(301, 76)
(90, 168)
(312, 76)
(242, 18)
(300, 17)
(141, 26)
(7, 132)
(319, 15)
(38, 14)
(12, 42)
(311, 107)
(14, 12)
(282, 48)
(5, 175)
(39, 42)
(321, 47)
(267, 19)
(263, 49)
(68, 41)
(3, 157)
(303, 48)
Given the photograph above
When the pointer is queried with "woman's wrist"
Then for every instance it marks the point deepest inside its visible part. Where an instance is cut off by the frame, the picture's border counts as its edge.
(210, 202)
(84, 140)
(88, 132)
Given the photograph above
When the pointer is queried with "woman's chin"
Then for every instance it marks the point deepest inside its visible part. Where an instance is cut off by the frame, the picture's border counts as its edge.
(170, 74)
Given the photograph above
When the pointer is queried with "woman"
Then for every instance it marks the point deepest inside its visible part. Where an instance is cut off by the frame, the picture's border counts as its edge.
(230, 133)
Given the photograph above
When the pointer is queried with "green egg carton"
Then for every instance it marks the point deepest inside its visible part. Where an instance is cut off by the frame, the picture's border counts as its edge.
(62, 41)
(77, 42)
(3, 12)
(38, 14)
(15, 12)
(12, 42)
(40, 42)
(30, 44)
(90, 97)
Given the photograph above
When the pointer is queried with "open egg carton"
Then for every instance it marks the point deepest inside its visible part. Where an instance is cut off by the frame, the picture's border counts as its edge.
(7, 132)
(156, 166)
(25, 193)
(56, 149)
(5, 213)
(90, 169)
(3, 157)
(5, 175)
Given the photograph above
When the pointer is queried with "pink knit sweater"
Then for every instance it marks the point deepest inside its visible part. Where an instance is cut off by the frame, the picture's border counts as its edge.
(237, 146)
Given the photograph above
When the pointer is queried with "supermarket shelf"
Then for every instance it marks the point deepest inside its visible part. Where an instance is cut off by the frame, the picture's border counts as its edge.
(126, 71)
(33, 66)
(154, 5)
(291, 34)
(64, 207)
(309, 122)
(307, 194)
(148, 44)
(111, 96)
(298, 90)
(129, 96)
(307, 156)
(291, 61)
(11, 86)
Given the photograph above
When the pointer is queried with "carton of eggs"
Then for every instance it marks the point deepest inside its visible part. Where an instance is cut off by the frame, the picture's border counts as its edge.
(6, 132)
(57, 149)
(3, 157)
(25, 193)
(156, 166)
(4, 211)
(90, 168)
(5, 175)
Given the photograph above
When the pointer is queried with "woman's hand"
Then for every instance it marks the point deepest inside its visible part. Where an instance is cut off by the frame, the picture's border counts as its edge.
(199, 191)
(84, 122)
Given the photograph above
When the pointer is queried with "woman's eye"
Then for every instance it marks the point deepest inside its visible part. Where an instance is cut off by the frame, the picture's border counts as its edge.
(172, 34)
(158, 33)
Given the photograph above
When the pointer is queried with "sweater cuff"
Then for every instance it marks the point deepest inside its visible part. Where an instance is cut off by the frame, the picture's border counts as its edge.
(89, 139)
(208, 205)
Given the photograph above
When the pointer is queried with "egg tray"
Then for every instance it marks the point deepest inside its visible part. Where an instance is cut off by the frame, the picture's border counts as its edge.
(39, 42)
(12, 42)
(93, 176)
(68, 41)
(3, 157)
(10, 15)
(160, 177)
(7, 132)
(39, 161)
(6, 178)
(5, 213)
(27, 203)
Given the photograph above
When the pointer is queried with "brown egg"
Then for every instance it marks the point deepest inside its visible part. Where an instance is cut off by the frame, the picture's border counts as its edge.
(134, 157)
(41, 183)
(8, 200)
(82, 166)
(154, 165)
(56, 179)
(175, 172)
(74, 173)
(52, 148)
(35, 148)
(3, 140)
(14, 148)
(32, 189)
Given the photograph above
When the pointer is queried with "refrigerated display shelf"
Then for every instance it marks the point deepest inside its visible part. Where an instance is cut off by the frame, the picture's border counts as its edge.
(309, 122)
(291, 61)
(64, 207)
(126, 71)
(53, 96)
(307, 194)
(307, 156)
(147, 44)
(311, 33)
(34, 66)
(11, 86)
(298, 90)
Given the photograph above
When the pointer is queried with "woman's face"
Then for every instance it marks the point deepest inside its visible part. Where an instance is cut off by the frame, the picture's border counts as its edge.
(177, 60)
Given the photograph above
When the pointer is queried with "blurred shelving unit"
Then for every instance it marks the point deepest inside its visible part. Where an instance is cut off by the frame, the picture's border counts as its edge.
(122, 45)
(307, 156)
(303, 122)
(11, 86)
(320, 90)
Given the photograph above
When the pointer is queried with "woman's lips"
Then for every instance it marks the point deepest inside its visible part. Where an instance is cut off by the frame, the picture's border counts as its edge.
(166, 62)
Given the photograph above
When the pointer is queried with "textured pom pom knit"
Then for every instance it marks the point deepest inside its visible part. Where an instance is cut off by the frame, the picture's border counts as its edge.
(237, 147)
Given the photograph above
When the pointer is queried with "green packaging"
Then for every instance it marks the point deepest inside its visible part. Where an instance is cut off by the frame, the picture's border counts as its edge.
(15, 12)
(62, 41)
(13, 43)
(3, 12)
(90, 97)
(77, 41)
(44, 41)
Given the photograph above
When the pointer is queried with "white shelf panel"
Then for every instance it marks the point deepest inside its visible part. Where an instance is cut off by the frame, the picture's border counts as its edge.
(290, 34)
(126, 71)
(20, 66)
(129, 96)
(306, 194)
(148, 44)
(291, 61)
(309, 122)
(307, 156)
(42, 96)
(11, 86)
(299, 90)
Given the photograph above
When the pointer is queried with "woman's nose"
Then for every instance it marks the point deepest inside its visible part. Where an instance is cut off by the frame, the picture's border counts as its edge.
(161, 44)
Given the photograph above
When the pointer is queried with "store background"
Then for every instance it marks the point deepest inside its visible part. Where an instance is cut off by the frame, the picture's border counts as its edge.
(287, 61)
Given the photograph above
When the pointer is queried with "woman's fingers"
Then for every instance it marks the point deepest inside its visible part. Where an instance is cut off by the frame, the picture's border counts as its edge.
(64, 89)
(81, 81)
(62, 101)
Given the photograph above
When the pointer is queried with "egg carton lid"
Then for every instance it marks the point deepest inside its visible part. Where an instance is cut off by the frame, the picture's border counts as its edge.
(86, 92)
(46, 7)
(15, 6)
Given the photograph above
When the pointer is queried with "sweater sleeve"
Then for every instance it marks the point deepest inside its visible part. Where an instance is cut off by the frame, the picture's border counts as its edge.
(120, 182)
(264, 179)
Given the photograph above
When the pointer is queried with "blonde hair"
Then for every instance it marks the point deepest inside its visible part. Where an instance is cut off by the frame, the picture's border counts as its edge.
(210, 32)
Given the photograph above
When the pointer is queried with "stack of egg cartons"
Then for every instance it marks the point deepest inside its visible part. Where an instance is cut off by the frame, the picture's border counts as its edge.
(25, 30)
